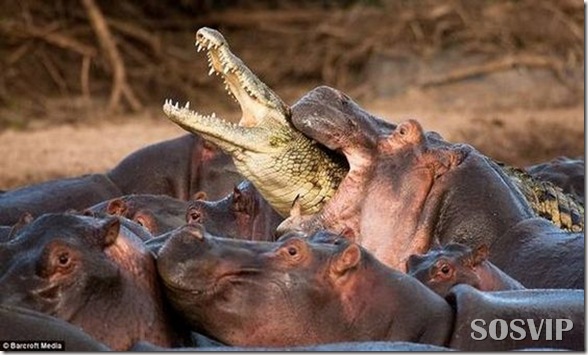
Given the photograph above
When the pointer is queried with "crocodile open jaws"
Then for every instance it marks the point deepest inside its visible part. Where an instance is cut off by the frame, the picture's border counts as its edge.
(278, 159)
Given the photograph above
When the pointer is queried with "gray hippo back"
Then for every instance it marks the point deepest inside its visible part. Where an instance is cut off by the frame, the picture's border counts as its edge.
(520, 319)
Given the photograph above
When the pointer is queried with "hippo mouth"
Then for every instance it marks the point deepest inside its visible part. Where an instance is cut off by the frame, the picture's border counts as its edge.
(205, 288)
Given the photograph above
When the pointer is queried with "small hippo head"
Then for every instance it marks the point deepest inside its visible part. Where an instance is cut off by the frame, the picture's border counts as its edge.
(88, 272)
(442, 268)
(157, 213)
(243, 214)
(259, 293)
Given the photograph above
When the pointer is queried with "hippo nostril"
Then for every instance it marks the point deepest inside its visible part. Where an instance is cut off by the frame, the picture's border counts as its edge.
(191, 233)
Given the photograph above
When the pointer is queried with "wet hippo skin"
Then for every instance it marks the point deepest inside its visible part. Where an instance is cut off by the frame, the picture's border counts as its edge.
(56, 196)
(345, 346)
(178, 167)
(92, 273)
(540, 255)
(27, 325)
(294, 293)
(471, 304)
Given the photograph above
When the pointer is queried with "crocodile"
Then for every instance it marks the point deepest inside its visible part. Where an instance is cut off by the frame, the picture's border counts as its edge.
(548, 200)
(286, 166)
(280, 161)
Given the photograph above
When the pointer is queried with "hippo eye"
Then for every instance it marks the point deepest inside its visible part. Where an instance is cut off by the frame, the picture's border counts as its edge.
(445, 269)
(292, 251)
(63, 259)
(402, 131)
(195, 216)
(140, 222)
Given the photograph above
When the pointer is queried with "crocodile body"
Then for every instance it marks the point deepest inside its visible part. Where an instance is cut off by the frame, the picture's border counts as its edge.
(285, 165)
(548, 200)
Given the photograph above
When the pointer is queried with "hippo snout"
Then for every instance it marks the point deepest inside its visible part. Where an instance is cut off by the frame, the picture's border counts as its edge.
(176, 257)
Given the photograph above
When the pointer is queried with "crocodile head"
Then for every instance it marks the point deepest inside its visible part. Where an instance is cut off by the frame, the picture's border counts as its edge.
(278, 159)
(260, 106)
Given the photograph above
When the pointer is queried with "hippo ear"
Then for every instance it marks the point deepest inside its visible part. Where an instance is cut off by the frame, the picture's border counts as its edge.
(347, 260)
(23, 220)
(116, 207)
(88, 212)
(200, 195)
(413, 262)
(109, 230)
(480, 254)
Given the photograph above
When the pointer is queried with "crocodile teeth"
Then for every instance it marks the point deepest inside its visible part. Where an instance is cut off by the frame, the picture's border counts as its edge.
(211, 71)
(187, 106)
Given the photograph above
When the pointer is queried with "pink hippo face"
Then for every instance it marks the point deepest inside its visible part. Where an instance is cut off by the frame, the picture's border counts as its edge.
(294, 292)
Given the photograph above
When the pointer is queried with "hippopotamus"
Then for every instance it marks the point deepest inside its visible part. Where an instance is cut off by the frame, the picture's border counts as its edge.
(405, 189)
(21, 324)
(338, 347)
(243, 214)
(91, 273)
(540, 255)
(178, 167)
(312, 293)
(327, 292)
(567, 173)
(517, 319)
(57, 195)
(159, 214)
(444, 267)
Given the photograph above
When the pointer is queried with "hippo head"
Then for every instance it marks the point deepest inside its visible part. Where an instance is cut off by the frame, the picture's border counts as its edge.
(259, 293)
(86, 271)
(46, 272)
(406, 188)
(157, 213)
(442, 268)
(242, 214)
(333, 119)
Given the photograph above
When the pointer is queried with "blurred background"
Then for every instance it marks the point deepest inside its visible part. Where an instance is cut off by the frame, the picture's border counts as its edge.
(82, 82)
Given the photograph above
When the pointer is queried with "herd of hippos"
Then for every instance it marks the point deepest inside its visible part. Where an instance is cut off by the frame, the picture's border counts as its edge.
(312, 227)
